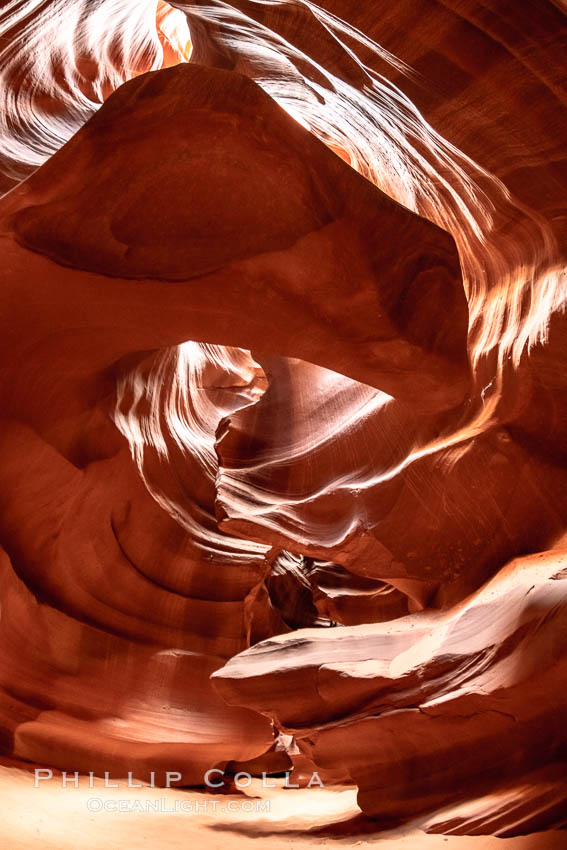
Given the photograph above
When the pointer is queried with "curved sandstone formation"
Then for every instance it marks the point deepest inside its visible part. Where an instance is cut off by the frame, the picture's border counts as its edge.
(435, 709)
(283, 474)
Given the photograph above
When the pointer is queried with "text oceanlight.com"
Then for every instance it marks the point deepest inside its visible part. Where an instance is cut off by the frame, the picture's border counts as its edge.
(163, 806)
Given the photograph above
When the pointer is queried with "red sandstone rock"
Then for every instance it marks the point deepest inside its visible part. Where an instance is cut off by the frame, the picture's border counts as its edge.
(434, 709)
(202, 311)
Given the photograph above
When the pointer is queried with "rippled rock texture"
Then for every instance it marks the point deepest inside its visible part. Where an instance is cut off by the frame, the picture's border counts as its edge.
(283, 480)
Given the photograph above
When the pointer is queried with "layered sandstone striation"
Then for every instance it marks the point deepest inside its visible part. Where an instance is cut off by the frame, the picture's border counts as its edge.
(283, 472)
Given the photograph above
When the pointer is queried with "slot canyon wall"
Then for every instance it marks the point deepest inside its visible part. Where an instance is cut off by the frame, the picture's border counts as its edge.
(283, 443)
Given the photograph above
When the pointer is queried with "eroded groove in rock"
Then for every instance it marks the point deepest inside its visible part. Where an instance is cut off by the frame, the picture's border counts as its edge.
(458, 705)
(283, 399)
